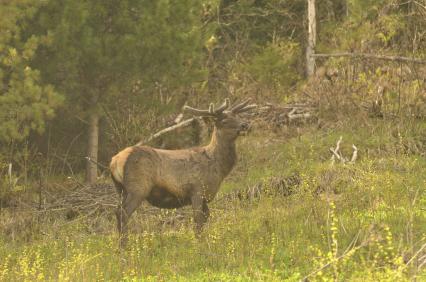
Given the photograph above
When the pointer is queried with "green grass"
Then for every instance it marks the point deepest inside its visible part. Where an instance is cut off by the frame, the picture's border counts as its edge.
(360, 222)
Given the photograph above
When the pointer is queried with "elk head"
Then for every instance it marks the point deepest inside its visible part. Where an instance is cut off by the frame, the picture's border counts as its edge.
(227, 123)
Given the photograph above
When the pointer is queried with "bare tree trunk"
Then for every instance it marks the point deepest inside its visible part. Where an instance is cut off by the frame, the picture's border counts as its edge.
(92, 148)
(312, 38)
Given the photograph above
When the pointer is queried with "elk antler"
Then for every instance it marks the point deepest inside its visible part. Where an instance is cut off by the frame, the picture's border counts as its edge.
(211, 112)
(243, 107)
(240, 105)
(224, 106)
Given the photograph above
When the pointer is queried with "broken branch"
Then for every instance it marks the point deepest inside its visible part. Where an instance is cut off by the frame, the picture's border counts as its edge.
(354, 154)
(372, 56)
(337, 154)
(336, 151)
(184, 123)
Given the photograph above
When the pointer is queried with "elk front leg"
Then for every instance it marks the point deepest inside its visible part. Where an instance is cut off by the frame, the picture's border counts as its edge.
(201, 212)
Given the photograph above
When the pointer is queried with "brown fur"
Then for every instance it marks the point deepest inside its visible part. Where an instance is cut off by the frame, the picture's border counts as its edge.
(175, 178)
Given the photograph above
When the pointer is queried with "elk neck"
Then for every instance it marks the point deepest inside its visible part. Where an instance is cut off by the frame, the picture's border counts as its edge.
(222, 149)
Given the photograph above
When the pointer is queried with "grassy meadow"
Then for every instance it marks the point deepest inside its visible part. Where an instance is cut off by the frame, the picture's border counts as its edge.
(361, 221)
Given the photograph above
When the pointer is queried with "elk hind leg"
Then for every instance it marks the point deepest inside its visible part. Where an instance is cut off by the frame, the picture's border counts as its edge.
(123, 196)
(130, 203)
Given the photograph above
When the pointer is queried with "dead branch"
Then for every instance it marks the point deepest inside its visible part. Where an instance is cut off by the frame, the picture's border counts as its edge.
(299, 116)
(354, 154)
(279, 115)
(372, 56)
(96, 163)
(181, 124)
(179, 118)
(337, 154)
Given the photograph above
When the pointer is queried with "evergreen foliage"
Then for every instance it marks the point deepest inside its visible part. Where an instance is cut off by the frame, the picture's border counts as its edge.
(26, 103)
(101, 49)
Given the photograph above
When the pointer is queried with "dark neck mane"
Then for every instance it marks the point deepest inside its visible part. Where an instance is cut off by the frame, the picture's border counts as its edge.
(223, 150)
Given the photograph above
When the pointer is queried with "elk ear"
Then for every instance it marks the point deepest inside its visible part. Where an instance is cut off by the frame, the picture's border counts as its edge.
(207, 120)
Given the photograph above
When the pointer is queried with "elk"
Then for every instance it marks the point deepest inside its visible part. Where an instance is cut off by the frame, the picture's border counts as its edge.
(175, 178)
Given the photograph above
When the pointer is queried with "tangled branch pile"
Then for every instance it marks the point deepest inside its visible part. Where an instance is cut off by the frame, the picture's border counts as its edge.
(79, 200)
(279, 115)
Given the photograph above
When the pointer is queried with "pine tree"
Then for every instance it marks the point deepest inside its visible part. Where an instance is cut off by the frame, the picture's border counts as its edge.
(25, 101)
(100, 48)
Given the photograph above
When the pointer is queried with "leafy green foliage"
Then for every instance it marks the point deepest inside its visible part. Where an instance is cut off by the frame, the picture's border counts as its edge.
(374, 26)
(257, 46)
(25, 101)
(274, 65)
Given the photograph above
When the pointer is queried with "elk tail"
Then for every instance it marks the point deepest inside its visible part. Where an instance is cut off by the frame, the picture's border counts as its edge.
(118, 185)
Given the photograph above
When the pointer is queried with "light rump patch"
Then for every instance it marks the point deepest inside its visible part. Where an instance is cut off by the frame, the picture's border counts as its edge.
(118, 162)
